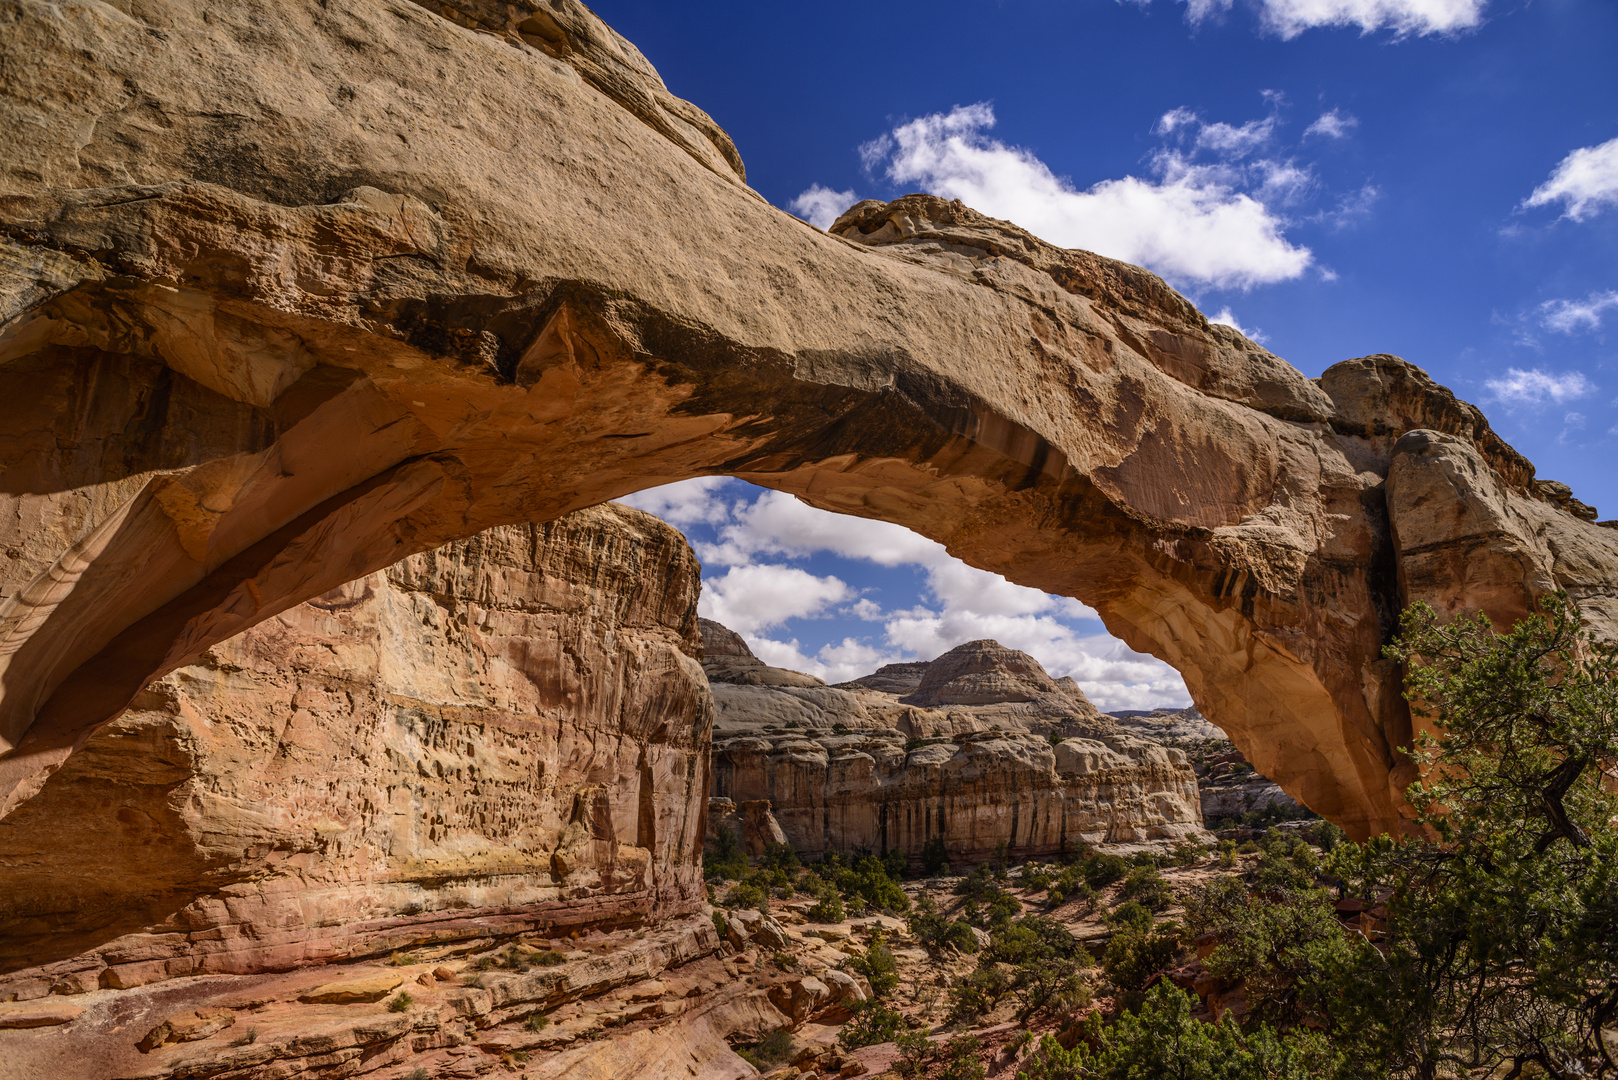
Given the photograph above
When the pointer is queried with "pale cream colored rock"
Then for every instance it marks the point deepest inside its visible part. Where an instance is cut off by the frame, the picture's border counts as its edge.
(833, 775)
(276, 310)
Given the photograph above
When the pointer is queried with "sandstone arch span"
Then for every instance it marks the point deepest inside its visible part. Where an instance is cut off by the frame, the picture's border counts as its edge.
(289, 292)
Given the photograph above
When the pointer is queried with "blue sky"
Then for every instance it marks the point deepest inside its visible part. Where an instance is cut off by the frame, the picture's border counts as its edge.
(1432, 178)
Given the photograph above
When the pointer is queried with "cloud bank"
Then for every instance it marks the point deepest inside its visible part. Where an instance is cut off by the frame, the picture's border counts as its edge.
(1537, 388)
(1289, 18)
(748, 540)
(1194, 221)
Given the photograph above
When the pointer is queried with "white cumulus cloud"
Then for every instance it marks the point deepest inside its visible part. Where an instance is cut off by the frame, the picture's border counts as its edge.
(1227, 319)
(1289, 18)
(1192, 223)
(820, 205)
(756, 593)
(1585, 182)
(1571, 316)
(752, 598)
(1535, 388)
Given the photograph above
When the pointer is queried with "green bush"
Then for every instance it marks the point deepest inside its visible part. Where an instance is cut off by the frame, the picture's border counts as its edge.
(537, 1022)
(1103, 870)
(978, 991)
(723, 859)
(1227, 854)
(828, 909)
(878, 966)
(1163, 1040)
(401, 1002)
(874, 1022)
(934, 932)
(772, 1050)
(1147, 887)
(934, 858)
(915, 1050)
(962, 1059)
(1137, 953)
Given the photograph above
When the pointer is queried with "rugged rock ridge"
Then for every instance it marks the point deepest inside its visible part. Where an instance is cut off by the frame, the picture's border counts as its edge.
(276, 311)
(843, 768)
(507, 734)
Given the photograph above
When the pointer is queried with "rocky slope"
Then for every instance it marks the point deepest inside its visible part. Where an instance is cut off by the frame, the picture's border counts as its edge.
(980, 747)
(278, 309)
(508, 734)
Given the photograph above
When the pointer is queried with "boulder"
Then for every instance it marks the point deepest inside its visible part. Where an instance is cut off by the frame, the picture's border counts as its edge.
(190, 1027)
(799, 998)
(42, 1013)
(352, 991)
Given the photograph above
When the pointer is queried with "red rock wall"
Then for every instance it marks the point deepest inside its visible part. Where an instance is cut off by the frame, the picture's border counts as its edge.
(507, 733)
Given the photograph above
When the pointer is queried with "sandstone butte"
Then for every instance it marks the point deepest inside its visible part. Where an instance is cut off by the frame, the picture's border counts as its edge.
(980, 748)
(290, 293)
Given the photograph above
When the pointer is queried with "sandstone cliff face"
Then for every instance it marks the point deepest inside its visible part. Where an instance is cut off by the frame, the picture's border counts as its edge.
(844, 768)
(277, 309)
(505, 734)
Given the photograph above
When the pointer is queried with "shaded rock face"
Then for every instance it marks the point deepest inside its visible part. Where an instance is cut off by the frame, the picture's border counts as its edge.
(505, 734)
(276, 312)
(846, 768)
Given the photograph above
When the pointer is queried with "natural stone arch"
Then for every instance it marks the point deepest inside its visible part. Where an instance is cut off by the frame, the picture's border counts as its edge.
(245, 363)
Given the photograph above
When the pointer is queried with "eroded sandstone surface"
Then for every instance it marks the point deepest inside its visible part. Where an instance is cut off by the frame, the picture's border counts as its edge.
(290, 293)
(505, 735)
(1004, 760)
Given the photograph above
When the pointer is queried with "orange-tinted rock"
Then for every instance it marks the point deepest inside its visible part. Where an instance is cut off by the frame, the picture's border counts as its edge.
(253, 351)
(505, 734)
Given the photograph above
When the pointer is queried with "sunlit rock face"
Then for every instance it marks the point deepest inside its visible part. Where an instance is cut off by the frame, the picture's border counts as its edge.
(505, 734)
(277, 311)
(1009, 757)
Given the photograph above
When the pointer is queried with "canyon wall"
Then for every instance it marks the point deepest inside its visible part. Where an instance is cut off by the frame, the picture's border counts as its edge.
(507, 734)
(290, 292)
(1000, 754)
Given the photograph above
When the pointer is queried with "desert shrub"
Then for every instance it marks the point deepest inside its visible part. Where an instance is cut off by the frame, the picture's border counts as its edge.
(1103, 870)
(878, 966)
(962, 1059)
(748, 894)
(772, 1050)
(828, 909)
(1325, 836)
(934, 858)
(721, 925)
(1147, 887)
(401, 1002)
(1188, 853)
(978, 991)
(1284, 949)
(1071, 886)
(1162, 1039)
(978, 885)
(867, 880)
(1214, 904)
(1136, 953)
(915, 1050)
(782, 857)
(537, 1022)
(1227, 854)
(934, 932)
(723, 858)
(874, 1022)
(1033, 878)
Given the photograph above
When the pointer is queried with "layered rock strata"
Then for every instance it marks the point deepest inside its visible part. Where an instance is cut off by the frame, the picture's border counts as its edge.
(278, 309)
(507, 734)
(849, 768)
